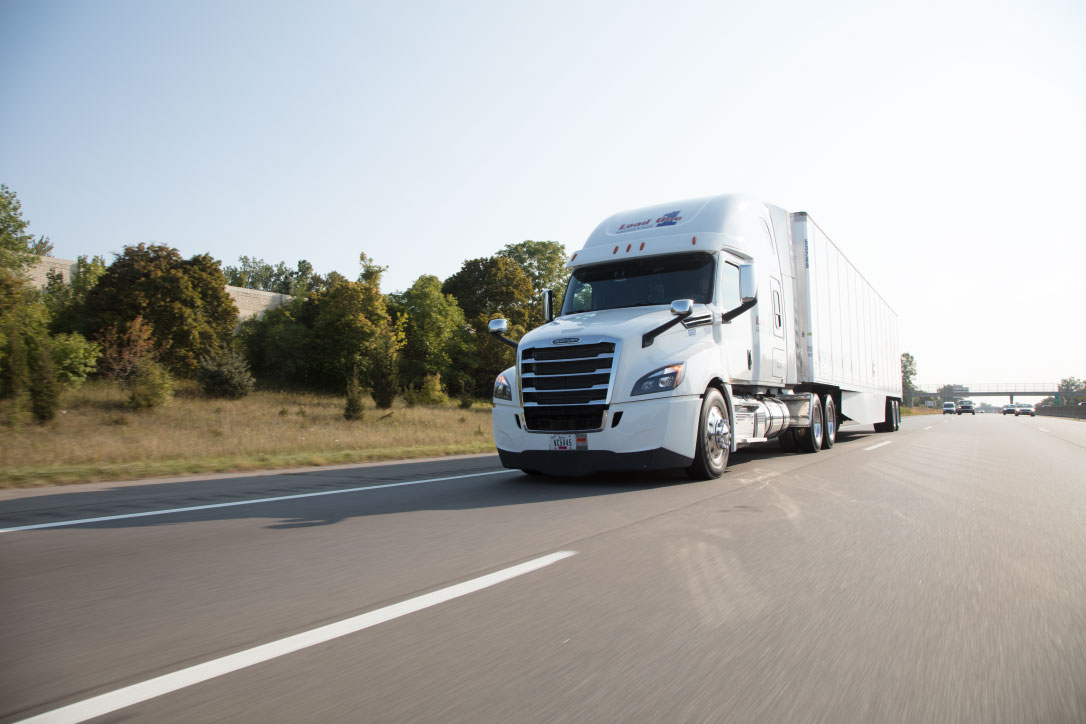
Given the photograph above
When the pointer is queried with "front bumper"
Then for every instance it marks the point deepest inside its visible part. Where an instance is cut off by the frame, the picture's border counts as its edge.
(643, 435)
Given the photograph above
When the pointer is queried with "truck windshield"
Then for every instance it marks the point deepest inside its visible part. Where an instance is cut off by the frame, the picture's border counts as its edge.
(640, 283)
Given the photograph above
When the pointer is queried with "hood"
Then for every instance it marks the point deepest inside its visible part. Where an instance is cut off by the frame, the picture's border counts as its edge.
(622, 324)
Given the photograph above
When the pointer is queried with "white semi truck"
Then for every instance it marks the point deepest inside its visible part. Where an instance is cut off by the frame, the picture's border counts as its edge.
(689, 330)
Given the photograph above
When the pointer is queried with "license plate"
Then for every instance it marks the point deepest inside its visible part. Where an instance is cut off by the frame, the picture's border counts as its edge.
(569, 442)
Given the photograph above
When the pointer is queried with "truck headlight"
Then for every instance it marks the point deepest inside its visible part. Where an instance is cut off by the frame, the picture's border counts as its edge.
(502, 389)
(661, 380)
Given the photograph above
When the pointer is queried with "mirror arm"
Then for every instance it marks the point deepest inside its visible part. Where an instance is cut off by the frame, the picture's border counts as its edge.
(729, 316)
(505, 339)
(648, 337)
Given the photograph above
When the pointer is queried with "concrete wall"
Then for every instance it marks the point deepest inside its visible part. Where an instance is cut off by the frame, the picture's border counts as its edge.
(249, 301)
(252, 301)
(1074, 411)
(48, 264)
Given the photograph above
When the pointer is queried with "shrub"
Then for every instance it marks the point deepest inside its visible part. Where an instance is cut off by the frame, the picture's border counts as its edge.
(16, 379)
(44, 387)
(225, 374)
(124, 348)
(150, 386)
(74, 358)
(353, 409)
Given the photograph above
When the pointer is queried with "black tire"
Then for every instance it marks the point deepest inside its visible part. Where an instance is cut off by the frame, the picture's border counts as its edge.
(897, 416)
(532, 472)
(714, 438)
(810, 438)
(787, 440)
(888, 424)
(829, 419)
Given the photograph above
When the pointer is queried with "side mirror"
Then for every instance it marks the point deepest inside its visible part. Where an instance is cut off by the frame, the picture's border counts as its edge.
(682, 307)
(499, 326)
(748, 283)
(748, 293)
(548, 305)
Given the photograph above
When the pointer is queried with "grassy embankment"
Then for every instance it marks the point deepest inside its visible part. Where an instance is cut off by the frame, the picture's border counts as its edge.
(96, 438)
(905, 411)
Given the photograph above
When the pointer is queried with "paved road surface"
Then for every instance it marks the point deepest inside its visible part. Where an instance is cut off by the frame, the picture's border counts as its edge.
(938, 578)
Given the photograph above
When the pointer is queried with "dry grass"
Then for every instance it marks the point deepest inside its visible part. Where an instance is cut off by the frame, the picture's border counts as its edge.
(97, 438)
(906, 411)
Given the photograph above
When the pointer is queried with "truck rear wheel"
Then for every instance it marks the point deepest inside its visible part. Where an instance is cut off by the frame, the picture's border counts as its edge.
(787, 440)
(810, 438)
(714, 438)
(829, 416)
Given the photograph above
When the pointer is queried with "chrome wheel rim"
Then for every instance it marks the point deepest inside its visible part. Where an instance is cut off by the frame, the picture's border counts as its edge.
(718, 436)
(831, 421)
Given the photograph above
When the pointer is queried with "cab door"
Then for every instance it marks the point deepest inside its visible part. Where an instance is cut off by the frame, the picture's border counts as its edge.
(736, 337)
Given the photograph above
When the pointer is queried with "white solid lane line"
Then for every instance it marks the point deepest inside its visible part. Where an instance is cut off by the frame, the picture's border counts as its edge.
(879, 445)
(38, 526)
(134, 694)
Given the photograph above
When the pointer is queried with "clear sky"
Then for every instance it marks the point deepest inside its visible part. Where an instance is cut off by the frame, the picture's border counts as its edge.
(941, 144)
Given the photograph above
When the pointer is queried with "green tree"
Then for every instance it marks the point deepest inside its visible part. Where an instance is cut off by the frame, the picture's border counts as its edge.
(349, 321)
(431, 321)
(184, 301)
(23, 316)
(277, 345)
(66, 300)
(544, 262)
(486, 289)
(908, 378)
(253, 273)
(17, 247)
(1071, 391)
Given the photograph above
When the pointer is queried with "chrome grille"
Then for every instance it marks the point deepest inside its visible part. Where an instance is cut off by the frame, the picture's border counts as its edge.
(566, 388)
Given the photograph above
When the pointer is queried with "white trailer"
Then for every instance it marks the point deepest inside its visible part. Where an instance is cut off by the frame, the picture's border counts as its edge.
(691, 329)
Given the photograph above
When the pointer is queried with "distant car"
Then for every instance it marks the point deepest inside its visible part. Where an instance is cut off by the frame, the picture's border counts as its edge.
(1010, 410)
(965, 407)
(1024, 408)
(948, 408)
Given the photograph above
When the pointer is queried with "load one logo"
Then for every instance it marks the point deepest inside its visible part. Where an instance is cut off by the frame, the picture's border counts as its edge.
(669, 219)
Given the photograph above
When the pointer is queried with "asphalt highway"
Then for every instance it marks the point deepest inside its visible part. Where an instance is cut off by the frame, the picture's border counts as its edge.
(935, 574)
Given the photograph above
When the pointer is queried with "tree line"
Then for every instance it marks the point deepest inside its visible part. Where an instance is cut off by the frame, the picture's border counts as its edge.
(151, 316)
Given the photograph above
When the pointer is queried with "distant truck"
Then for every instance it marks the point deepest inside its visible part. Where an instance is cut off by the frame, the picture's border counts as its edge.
(692, 329)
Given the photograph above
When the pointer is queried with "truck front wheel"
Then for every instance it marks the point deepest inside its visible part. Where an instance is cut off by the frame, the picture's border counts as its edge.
(714, 438)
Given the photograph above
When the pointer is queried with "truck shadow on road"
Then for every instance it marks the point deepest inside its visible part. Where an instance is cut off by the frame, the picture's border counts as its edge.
(293, 500)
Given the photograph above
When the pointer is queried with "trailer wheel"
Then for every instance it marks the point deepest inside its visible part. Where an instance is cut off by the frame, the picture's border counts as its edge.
(810, 438)
(829, 415)
(891, 418)
(787, 440)
(897, 416)
(714, 438)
